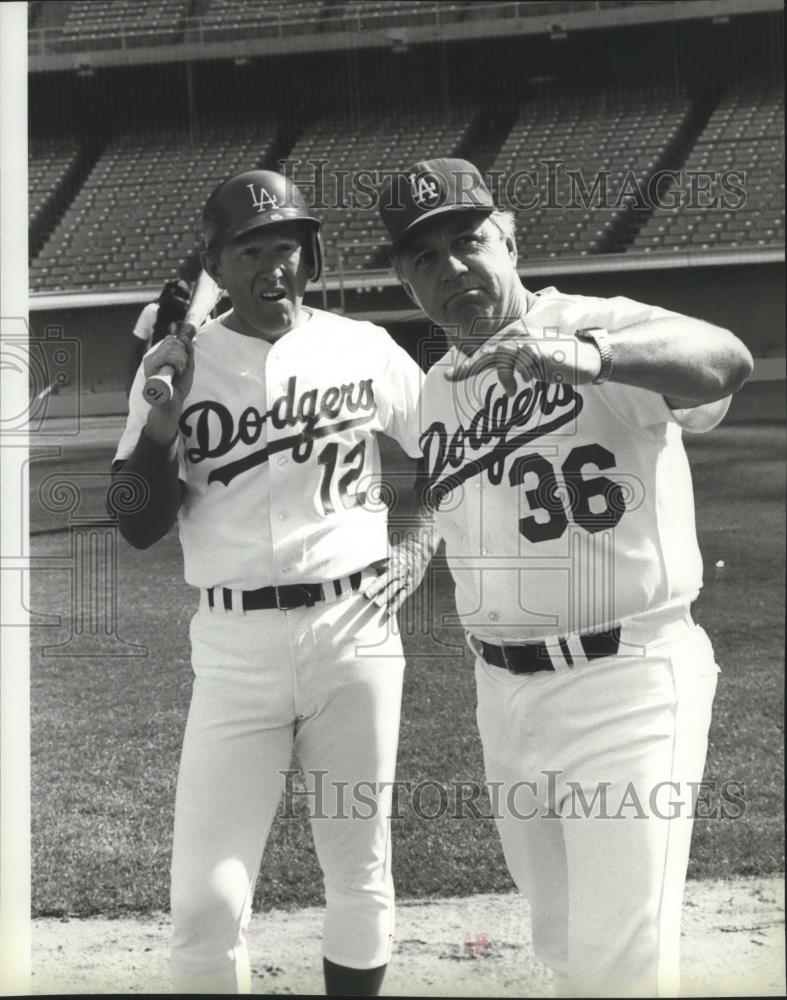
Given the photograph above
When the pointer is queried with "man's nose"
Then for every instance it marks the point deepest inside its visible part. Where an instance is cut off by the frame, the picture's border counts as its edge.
(453, 266)
(269, 265)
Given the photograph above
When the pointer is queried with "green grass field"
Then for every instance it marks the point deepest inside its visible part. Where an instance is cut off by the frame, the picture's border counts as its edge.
(107, 728)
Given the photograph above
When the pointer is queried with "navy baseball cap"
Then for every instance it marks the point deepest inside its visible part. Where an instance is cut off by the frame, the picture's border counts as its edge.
(428, 189)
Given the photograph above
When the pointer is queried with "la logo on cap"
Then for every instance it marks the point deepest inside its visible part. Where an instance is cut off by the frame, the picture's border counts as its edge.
(425, 189)
(265, 201)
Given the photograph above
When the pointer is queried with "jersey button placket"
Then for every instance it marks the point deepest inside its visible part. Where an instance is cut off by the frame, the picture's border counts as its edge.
(276, 466)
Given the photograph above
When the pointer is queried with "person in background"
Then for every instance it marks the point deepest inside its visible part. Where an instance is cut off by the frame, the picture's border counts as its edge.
(156, 320)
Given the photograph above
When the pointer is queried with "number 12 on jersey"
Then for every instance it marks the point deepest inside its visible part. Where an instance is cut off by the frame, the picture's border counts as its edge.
(353, 462)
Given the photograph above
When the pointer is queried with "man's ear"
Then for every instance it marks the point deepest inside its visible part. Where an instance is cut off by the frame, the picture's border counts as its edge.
(406, 286)
(512, 250)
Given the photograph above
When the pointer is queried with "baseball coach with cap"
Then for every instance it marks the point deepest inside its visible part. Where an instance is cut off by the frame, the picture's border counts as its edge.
(267, 457)
(552, 438)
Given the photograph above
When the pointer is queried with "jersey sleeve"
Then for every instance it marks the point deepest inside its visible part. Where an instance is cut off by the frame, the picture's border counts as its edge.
(399, 396)
(143, 329)
(626, 312)
(614, 313)
(638, 407)
(137, 418)
(699, 419)
(138, 409)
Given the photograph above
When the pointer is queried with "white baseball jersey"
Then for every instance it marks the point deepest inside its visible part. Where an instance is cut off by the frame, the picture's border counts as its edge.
(563, 509)
(280, 468)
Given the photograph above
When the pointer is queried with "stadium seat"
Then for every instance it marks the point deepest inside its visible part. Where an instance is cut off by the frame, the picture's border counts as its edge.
(123, 212)
(732, 141)
(97, 24)
(51, 163)
(622, 136)
(364, 144)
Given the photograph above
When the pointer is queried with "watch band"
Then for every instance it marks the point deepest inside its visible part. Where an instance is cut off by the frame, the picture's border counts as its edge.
(599, 336)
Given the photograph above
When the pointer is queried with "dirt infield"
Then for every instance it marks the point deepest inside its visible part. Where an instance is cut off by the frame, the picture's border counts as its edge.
(733, 945)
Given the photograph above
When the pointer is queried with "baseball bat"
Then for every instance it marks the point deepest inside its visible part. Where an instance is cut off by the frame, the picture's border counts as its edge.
(158, 387)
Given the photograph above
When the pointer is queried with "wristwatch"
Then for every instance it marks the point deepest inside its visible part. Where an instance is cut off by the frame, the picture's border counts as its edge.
(600, 337)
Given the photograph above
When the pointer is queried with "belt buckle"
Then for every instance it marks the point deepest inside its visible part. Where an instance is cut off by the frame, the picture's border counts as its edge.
(283, 604)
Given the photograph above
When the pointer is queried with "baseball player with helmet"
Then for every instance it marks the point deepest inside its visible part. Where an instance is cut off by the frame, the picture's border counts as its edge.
(267, 456)
(552, 437)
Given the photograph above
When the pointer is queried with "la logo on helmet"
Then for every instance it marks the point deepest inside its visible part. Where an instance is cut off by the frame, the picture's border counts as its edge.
(425, 189)
(265, 201)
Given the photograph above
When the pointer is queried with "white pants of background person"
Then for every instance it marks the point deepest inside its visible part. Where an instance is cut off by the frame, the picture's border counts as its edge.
(604, 876)
(326, 682)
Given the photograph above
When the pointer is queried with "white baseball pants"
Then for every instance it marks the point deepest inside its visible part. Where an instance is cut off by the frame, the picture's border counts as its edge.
(326, 682)
(595, 765)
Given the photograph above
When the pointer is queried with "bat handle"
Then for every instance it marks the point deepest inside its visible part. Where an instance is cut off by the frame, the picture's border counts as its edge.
(158, 388)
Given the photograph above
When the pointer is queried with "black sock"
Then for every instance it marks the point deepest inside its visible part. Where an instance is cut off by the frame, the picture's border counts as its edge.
(340, 980)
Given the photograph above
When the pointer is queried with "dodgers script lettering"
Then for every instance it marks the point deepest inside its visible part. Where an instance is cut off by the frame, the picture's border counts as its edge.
(212, 427)
(507, 425)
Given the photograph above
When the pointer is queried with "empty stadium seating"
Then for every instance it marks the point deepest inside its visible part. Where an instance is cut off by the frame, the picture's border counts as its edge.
(137, 217)
(95, 24)
(568, 144)
(714, 209)
(374, 146)
(49, 164)
(227, 19)
(371, 15)
(88, 25)
(137, 214)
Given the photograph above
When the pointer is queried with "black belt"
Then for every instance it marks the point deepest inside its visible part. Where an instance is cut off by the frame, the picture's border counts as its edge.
(535, 656)
(285, 598)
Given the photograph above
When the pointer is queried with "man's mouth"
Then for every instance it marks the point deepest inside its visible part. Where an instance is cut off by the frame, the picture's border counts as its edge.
(275, 295)
(462, 291)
